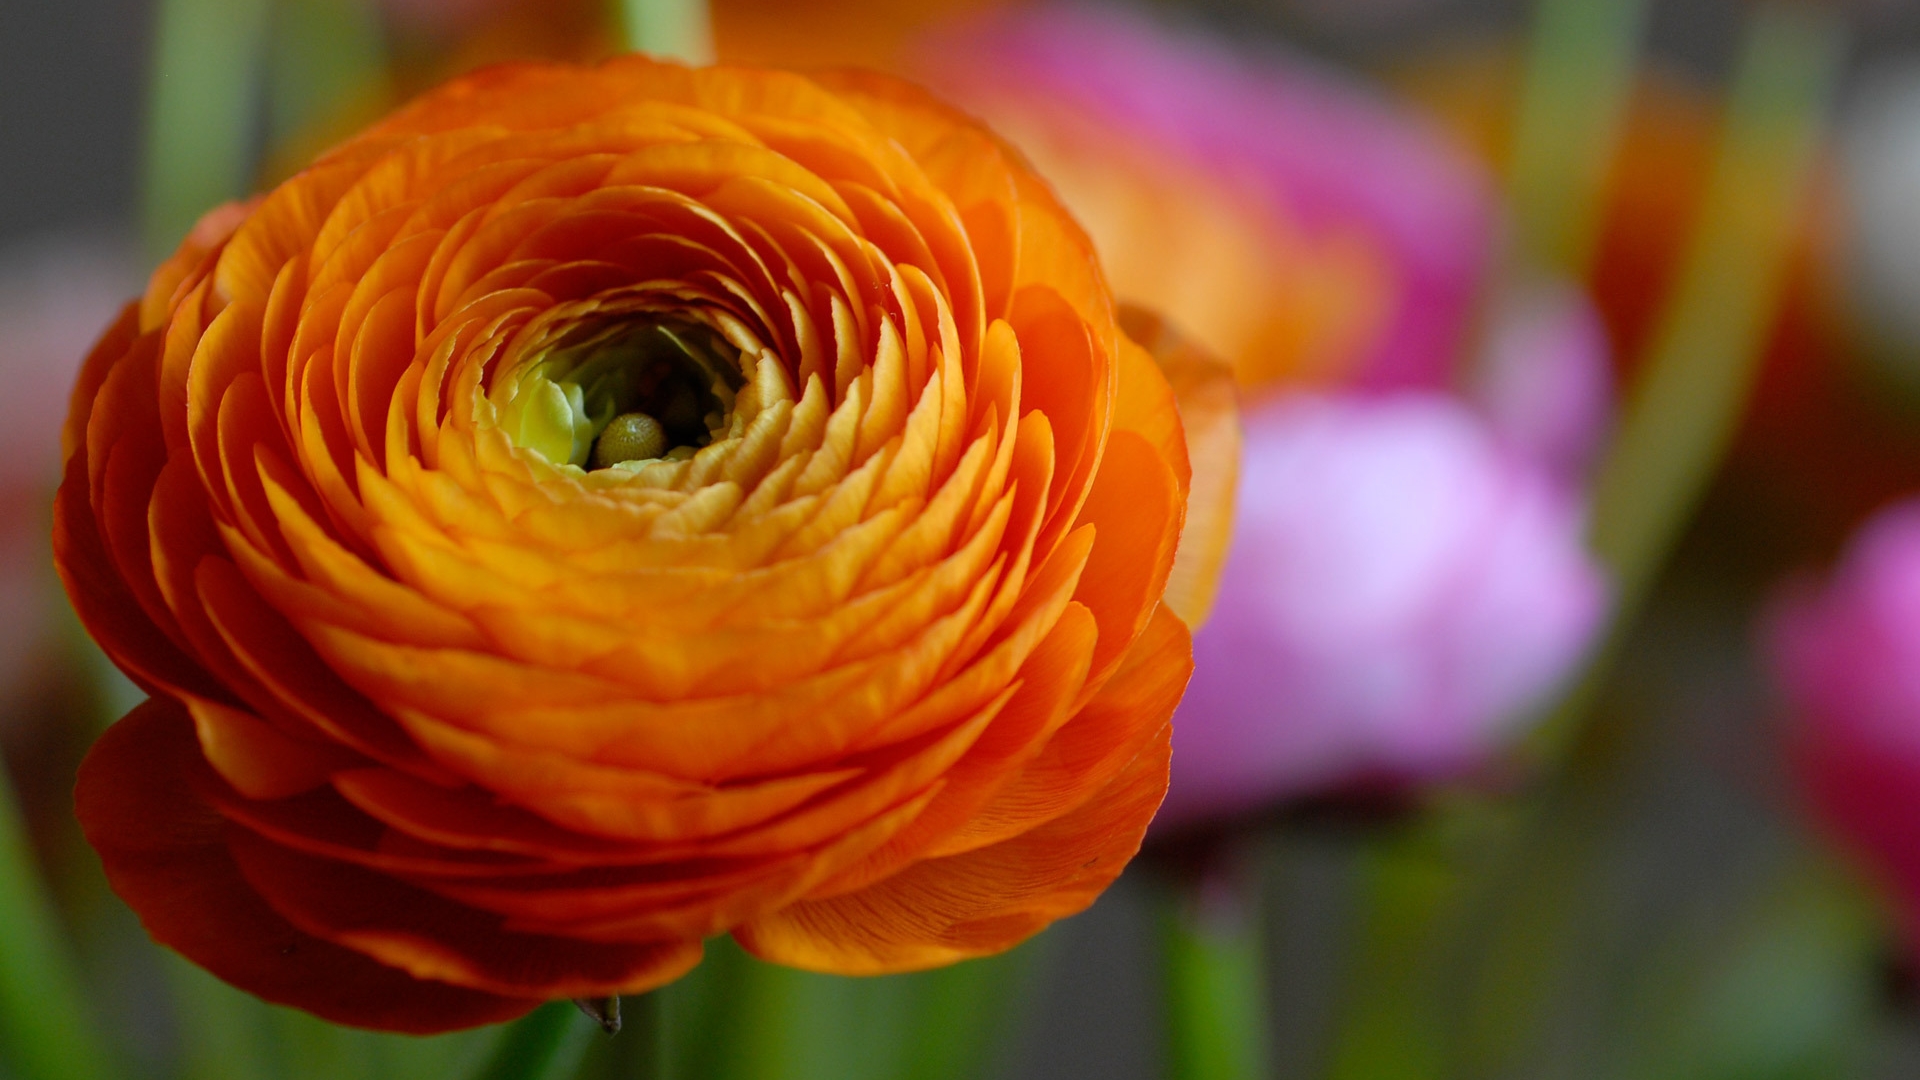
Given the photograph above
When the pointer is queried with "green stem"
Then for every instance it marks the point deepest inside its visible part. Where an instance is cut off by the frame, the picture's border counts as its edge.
(1706, 349)
(326, 67)
(1215, 985)
(1574, 96)
(773, 1023)
(675, 29)
(46, 1029)
(962, 1016)
(738, 1018)
(1708, 344)
(529, 1046)
(1406, 884)
(203, 101)
(224, 1034)
(636, 1052)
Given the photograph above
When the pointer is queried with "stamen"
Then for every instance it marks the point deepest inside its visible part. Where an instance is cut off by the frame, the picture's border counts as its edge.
(606, 395)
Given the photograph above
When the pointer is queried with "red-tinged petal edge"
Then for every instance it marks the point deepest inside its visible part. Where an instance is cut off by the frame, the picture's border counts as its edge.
(165, 854)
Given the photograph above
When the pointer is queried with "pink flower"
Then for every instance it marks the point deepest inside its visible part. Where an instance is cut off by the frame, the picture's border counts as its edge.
(54, 296)
(1342, 192)
(1542, 377)
(1402, 590)
(1847, 656)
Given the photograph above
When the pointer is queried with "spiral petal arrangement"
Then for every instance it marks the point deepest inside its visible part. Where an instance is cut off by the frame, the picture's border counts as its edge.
(595, 509)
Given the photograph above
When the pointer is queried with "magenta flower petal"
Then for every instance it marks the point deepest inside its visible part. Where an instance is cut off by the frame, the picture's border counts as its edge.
(1847, 655)
(1334, 157)
(1543, 378)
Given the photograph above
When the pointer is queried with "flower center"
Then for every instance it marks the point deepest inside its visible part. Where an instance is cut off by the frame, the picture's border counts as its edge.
(629, 391)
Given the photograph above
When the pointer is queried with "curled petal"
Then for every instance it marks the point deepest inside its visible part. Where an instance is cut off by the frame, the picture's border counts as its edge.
(1208, 406)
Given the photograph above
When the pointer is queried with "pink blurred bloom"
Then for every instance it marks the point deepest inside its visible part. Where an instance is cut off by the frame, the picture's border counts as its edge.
(1328, 156)
(1847, 656)
(1401, 591)
(54, 297)
(1543, 379)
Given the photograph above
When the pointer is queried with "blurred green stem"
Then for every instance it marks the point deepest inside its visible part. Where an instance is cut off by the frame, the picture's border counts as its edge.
(1408, 880)
(47, 1031)
(634, 1053)
(961, 1014)
(529, 1047)
(1215, 984)
(224, 1034)
(1706, 349)
(769, 1026)
(738, 1018)
(675, 29)
(1574, 96)
(1708, 344)
(202, 104)
(326, 63)
(1681, 416)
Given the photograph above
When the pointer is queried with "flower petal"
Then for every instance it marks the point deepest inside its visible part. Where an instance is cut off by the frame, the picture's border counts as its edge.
(165, 853)
(978, 903)
(1209, 413)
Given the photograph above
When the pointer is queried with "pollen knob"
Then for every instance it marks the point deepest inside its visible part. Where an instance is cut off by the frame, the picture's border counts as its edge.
(633, 436)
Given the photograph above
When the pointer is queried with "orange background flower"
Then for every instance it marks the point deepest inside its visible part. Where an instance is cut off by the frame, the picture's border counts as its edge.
(871, 669)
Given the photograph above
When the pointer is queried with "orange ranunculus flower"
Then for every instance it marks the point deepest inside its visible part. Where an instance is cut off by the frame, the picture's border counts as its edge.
(598, 508)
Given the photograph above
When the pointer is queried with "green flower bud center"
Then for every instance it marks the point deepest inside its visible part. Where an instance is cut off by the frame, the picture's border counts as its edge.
(630, 391)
